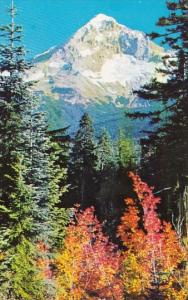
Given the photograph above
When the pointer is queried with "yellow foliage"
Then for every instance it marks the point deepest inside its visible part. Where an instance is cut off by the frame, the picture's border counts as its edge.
(2, 255)
(88, 265)
(136, 279)
(176, 287)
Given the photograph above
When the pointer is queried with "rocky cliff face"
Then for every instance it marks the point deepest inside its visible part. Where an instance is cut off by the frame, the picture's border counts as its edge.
(96, 71)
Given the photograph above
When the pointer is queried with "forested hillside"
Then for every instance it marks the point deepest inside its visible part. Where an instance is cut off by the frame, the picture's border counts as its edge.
(77, 219)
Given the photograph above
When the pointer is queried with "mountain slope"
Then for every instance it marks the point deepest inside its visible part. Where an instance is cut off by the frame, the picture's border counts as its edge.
(96, 71)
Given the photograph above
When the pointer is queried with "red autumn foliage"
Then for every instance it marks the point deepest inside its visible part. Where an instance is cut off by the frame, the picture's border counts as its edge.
(153, 250)
(88, 266)
(44, 261)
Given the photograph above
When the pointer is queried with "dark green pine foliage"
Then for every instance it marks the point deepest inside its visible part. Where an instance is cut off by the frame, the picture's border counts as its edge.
(18, 254)
(115, 159)
(105, 152)
(106, 172)
(106, 196)
(47, 174)
(17, 280)
(125, 151)
(37, 174)
(83, 164)
(167, 145)
(58, 159)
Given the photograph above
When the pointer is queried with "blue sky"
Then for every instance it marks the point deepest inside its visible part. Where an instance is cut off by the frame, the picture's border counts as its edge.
(52, 22)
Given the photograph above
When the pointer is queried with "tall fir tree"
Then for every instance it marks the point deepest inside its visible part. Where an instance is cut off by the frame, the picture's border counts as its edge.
(105, 152)
(106, 173)
(58, 160)
(168, 143)
(83, 164)
(37, 166)
(16, 204)
(125, 152)
(115, 158)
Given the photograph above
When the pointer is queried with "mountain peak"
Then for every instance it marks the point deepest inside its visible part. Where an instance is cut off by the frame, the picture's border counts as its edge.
(97, 70)
(104, 37)
(100, 19)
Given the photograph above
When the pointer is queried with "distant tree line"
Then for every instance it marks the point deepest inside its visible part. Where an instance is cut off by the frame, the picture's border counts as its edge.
(97, 171)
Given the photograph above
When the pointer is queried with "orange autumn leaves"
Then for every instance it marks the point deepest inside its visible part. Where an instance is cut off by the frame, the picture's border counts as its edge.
(90, 267)
(153, 251)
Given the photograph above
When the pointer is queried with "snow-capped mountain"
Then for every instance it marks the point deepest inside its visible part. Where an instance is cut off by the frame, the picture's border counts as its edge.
(96, 71)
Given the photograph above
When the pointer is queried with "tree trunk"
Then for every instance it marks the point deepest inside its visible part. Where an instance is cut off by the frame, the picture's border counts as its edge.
(185, 208)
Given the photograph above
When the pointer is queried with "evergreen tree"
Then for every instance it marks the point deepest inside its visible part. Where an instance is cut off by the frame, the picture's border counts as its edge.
(105, 152)
(47, 174)
(169, 141)
(19, 277)
(16, 204)
(125, 152)
(37, 168)
(106, 173)
(114, 161)
(83, 164)
(58, 215)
